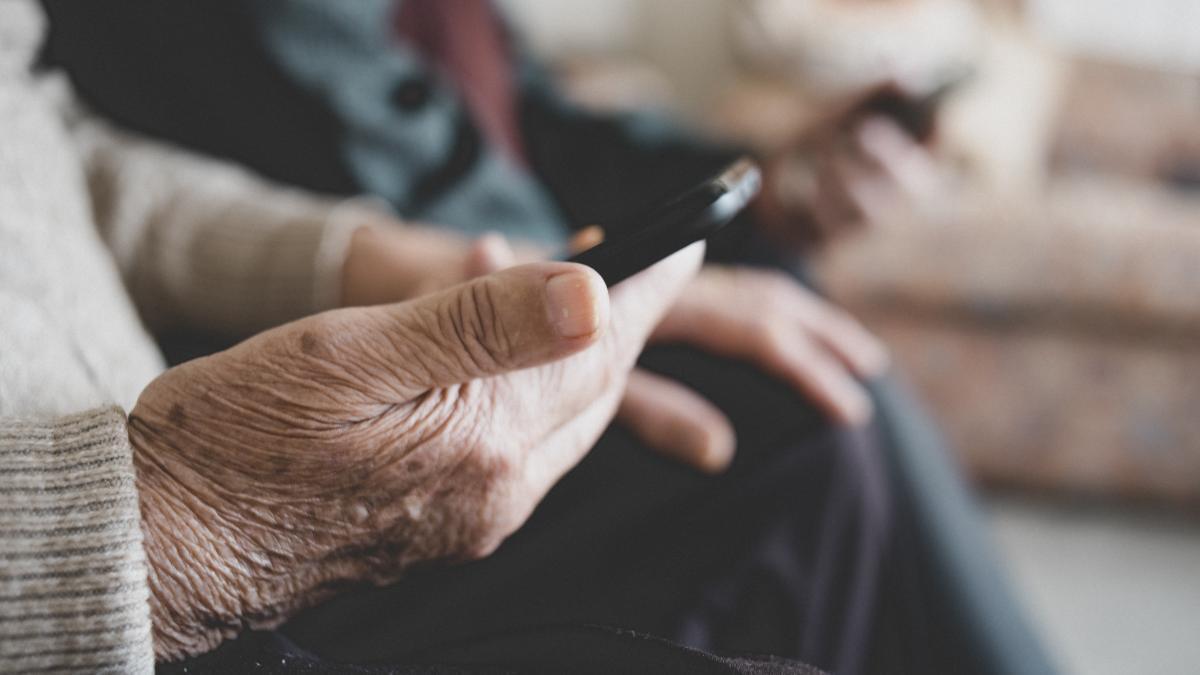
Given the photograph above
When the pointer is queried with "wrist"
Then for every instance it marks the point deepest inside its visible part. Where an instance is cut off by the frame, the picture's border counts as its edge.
(207, 579)
(216, 564)
(184, 573)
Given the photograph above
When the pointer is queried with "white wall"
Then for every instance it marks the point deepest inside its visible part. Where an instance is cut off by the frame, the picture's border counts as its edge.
(686, 40)
(689, 40)
(557, 27)
(1159, 33)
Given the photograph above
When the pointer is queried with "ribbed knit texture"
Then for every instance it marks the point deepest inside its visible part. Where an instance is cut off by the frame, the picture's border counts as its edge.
(73, 579)
(208, 245)
(100, 231)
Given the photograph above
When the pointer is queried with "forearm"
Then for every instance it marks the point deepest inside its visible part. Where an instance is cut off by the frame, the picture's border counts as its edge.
(210, 575)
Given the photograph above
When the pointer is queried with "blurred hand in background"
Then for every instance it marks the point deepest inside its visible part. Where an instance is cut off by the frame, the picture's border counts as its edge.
(843, 174)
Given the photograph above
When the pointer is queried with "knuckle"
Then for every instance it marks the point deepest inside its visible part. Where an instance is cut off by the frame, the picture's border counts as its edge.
(475, 324)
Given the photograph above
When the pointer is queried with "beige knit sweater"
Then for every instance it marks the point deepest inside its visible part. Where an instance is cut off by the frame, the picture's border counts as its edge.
(97, 227)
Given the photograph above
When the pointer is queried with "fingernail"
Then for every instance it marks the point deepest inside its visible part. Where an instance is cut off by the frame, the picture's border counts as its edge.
(573, 304)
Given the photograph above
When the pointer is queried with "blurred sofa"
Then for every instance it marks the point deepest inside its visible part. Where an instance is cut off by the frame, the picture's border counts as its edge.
(1057, 339)
(1056, 332)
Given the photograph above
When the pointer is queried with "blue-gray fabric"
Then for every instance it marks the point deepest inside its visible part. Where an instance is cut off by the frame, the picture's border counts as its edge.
(345, 54)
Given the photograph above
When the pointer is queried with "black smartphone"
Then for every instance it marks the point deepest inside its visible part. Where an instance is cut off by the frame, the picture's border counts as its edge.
(689, 217)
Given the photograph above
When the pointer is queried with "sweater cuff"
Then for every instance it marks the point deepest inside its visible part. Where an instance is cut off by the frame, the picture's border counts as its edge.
(73, 592)
(343, 221)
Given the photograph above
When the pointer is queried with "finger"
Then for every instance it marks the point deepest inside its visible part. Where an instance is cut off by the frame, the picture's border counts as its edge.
(510, 320)
(901, 159)
(489, 253)
(639, 302)
(811, 370)
(836, 209)
(870, 193)
(789, 193)
(637, 306)
(849, 342)
(839, 332)
(677, 422)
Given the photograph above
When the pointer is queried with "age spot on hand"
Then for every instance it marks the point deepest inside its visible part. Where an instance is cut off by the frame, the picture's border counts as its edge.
(309, 343)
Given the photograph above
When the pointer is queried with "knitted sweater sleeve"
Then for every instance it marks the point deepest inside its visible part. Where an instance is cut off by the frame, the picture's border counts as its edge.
(204, 244)
(73, 594)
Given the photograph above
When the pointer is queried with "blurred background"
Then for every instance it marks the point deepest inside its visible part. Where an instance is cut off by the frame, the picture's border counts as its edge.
(1042, 293)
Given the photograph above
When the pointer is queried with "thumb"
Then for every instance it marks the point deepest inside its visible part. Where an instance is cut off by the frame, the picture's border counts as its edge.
(520, 317)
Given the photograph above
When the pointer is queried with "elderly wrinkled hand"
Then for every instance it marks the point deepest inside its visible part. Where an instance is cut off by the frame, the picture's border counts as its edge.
(348, 445)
